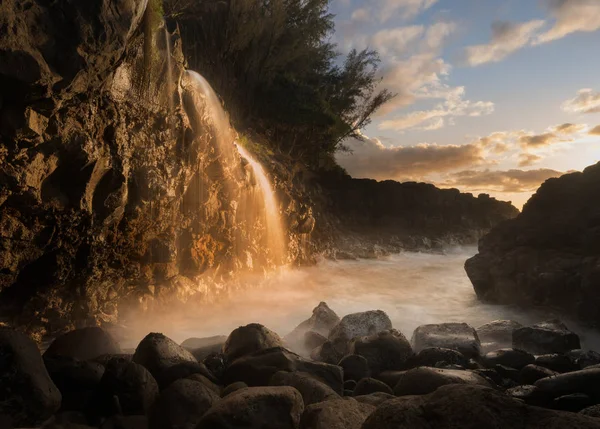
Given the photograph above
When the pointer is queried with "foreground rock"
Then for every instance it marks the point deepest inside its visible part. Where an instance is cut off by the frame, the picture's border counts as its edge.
(551, 336)
(27, 394)
(84, 344)
(548, 255)
(434, 356)
(157, 353)
(202, 347)
(249, 339)
(420, 381)
(321, 322)
(256, 408)
(470, 407)
(357, 325)
(512, 358)
(336, 414)
(585, 381)
(385, 351)
(311, 389)
(497, 334)
(456, 336)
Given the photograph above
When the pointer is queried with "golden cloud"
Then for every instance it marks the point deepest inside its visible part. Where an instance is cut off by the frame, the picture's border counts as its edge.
(501, 181)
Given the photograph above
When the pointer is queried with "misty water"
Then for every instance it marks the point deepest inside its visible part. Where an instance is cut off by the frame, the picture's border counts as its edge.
(412, 288)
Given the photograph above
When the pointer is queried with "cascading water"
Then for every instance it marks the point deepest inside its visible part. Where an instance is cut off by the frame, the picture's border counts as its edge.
(169, 70)
(256, 207)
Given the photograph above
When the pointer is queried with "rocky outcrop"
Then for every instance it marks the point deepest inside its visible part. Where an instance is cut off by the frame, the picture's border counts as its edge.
(549, 255)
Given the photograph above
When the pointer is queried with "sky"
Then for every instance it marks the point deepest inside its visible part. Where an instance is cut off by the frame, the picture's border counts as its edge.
(492, 96)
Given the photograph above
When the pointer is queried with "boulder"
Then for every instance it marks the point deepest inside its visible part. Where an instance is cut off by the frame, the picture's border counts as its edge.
(574, 402)
(584, 358)
(208, 383)
(530, 394)
(367, 386)
(130, 383)
(321, 322)
(434, 355)
(557, 362)
(584, 381)
(248, 339)
(312, 340)
(532, 373)
(391, 378)
(424, 380)
(202, 347)
(157, 353)
(336, 414)
(349, 385)
(374, 399)
(182, 370)
(548, 337)
(357, 325)
(76, 380)
(233, 387)
(216, 364)
(512, 358)
(470, 407)
(256, 408)
(327, 353)
(355, 367)
(384, 351)
(311, 389)
(84, 344)
(27, 394)
(593, 411)
(257, 368)
(181, 405)
(497, 334)
(455, 336)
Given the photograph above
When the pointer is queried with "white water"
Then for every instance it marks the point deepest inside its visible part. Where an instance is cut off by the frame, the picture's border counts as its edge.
(412, 288)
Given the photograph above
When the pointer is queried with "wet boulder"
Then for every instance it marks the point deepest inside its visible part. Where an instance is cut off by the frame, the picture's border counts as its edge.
(574, 402)
(336, 414)
(584, 358)
(424, 380)
(366, 386)
(584, 381)
(278, 407)
(497, 334)
(182, 370)
(157, 353)
(593, 411)
(84, 344)
(532, 373)
(249, 339)
(384, 351)
(455, 336)
(257, 368)
(208, 383)
(126, 388)
(557, 362)
(321, 322)
(530, 394)
(311, 389)
(470, 407)
(216, 364)
(327, 353)
(202, 347)
(233, 387)
(374, 399)
(355, 367)
(433, 356)
(548, 337)
(27, 394)
(511, 358)
(181, 405)
(357, 325)
(312, 340)
(391, 378)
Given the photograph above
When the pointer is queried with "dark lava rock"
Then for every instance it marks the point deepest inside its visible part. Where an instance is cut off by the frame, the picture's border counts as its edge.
(556, 362)
(198, 343)
(574, 402)
(433, 355)
(593, 411)
(130, 383)
(336, 414)
(349, 385)
(321, 322)
(497, 334)
(249, 339)
(355, 367)
(391, 378)
(327, 353)
(125, 422)
(256, 408)
(584, 358)
(374, 399)
(84, 344)
(584, 381)
(257, 369)
(529, 394)
(76, 380)
(216, 364)
(233, 387)
(424, 380)
(548, 337)
(103, 360)
(181, 405)
(532, 373)
(508, 372)
(27, 394)
(470, 407)
(311, 389)
(384, 351)
(512, 358)
(313, 339)
(157, 353)
(455, 336)
(548, 255)
(357, 325)
(182, 370)
(208, 383)
(366, 386)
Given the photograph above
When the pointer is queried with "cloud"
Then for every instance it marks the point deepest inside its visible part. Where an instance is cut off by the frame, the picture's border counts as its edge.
(513, 180)
(528, 159)
(361, 14)
(396, 42)
(538, 140)
(586, 101)
(571, 16)
(568, 128)
(370, 158)
(507, 37)
(406, 9)
(595, 131)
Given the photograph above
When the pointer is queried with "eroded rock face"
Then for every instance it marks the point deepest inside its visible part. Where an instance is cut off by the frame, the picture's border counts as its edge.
(549, 254)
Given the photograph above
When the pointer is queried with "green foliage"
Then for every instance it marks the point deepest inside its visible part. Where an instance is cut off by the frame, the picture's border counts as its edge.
(278, 74)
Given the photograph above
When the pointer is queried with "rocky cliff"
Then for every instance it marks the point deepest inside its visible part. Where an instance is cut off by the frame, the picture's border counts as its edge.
(550, 253)
(113, 192)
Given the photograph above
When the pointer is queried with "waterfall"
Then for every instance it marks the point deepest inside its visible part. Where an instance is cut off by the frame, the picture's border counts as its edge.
(260, 228)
